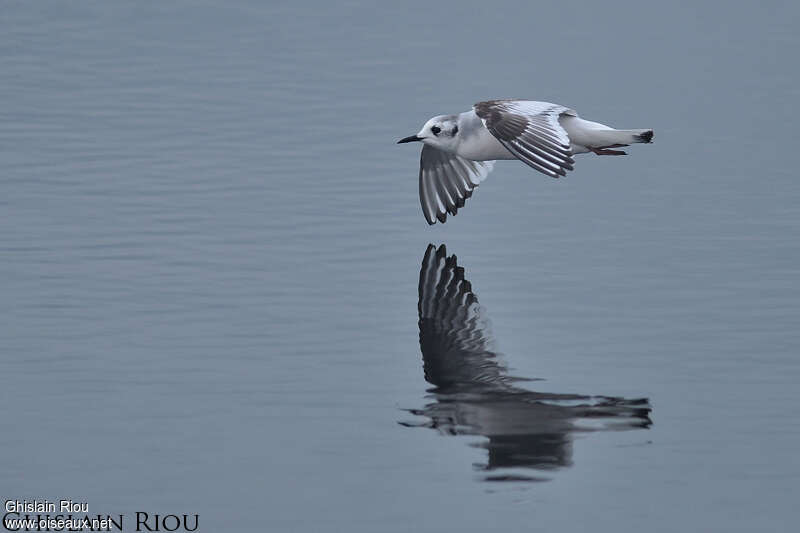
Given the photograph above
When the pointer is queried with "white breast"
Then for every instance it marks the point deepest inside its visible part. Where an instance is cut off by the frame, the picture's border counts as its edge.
(475, 141)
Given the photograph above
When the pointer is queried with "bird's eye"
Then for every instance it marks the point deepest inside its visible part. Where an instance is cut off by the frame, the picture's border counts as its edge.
(455, 130)
(435, 130)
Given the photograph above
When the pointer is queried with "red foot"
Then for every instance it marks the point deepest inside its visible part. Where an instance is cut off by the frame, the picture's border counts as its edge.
(605, 151)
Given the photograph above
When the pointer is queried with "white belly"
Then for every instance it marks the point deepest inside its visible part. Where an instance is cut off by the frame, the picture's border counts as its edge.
(476, 142)
(483, 146)
(584, 134)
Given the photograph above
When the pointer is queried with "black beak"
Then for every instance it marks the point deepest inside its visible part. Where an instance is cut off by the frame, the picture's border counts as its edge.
(409, 139)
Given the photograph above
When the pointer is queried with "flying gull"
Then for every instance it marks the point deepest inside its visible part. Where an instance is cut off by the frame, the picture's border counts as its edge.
(460, 150)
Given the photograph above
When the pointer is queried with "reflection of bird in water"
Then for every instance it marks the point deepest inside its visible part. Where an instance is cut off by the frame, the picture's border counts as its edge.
(474, 395)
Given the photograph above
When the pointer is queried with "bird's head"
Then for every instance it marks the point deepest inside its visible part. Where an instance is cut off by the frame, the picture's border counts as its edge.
(440, 132)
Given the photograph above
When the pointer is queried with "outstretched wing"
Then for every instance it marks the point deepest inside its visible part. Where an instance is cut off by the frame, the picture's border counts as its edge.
(531, 131)
(454, 334)
(446, 181)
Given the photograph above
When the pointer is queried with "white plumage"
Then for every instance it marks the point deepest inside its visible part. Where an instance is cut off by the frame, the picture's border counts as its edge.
(460, 149)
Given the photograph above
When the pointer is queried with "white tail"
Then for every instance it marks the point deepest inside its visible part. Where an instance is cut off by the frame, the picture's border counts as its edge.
(641, 136)
(610, 137)
(588, 136)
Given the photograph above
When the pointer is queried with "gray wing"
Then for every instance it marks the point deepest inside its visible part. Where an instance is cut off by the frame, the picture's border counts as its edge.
(454, 335)
(446, 181)
(531, 131)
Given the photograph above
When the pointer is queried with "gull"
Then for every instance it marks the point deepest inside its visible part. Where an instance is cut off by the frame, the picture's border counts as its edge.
(460, 150)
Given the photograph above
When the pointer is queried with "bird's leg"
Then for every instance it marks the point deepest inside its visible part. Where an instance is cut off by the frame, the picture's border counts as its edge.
(605, 151)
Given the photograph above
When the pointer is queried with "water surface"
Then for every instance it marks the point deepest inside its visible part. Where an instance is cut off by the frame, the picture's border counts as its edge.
(211, 252)
(473, 393)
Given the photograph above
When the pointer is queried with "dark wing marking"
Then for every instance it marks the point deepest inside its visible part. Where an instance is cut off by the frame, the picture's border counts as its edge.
(446, 181)
(454, 334)
(531, 131)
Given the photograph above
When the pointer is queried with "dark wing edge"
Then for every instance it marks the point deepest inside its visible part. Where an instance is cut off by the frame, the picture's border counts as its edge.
(531, 132)
(446, 181)
(455, 337)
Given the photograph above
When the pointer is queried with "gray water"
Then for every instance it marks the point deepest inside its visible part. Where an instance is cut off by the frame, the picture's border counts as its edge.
(211, 254)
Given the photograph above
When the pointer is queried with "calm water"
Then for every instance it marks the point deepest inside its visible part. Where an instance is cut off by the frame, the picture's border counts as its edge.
(213, 266)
